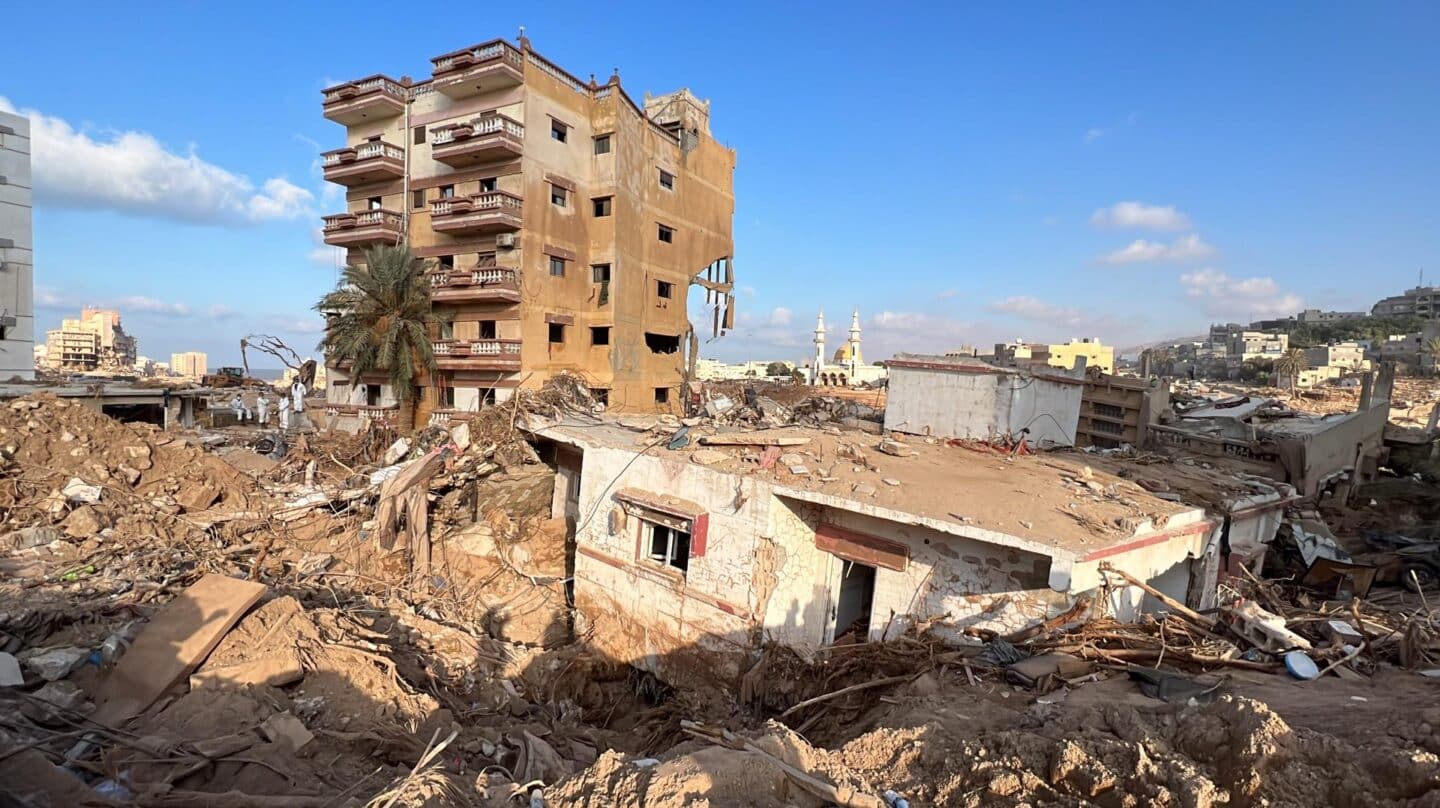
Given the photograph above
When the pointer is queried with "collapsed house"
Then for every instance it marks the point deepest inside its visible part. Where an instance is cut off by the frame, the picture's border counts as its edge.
(688, 560)
(1262, 436)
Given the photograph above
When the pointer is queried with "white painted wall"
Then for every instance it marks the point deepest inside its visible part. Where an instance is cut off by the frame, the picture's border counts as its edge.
(17, 275)
(949, 403)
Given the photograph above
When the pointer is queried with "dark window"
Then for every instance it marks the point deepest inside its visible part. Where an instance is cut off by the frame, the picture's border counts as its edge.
(557, 333)
(602, 206)
(419, 135)
(487, 397)
(664, 289)
(372, 395)
(447, 192)
(374, 203)
(559, 131)
(599, 335)
(489, 184)
(600, 273)
(447, 329)
(1109, 411)
(487, 329)
(601, 395)
(557, 267)
(669, 546)
(661, 343)
(1107, 426)
(667, 180)
(417, 199)
(662, 395)
(446, 261)
(666, 234)
(447, 397)
(602, 144)
(557, 195)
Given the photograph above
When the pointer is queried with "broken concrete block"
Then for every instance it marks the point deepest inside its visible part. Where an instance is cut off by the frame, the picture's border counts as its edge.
(864, 489)
(460, 434)
(792, 459)
(800, 469)
(27, 537)
(84, 522)
(80, 492)
(1340, 632)
(198, 496)
(893, 448)
(139, 456)
(57, 697)
(54, 663)
(129, 474)
(10, 675)
(707, 457)
(286, 730)
(890, 481)
(396, 451)
(718, 406)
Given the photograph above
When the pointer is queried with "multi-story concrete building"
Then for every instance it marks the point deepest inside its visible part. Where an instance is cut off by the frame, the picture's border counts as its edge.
(1257, 345)
(17, 257)
(565, 224)
(1422, 301)
(191, 364)
(1064, 354)
(1318, 316)
(1348, 355)
(1116, 410)
(95, 341)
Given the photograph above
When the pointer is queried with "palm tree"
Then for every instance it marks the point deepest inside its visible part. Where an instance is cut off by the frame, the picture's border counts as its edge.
(1432, 350)
(1291, 364)
(380, 319)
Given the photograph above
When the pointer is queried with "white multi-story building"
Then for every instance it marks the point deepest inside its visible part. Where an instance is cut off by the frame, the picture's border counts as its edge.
(17, 257)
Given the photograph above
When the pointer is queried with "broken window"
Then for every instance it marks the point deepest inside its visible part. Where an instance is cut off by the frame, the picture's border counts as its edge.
(559, 131)
(599, 335)
(557, 333)
(601, 205)
(667, 180)
(487, 397)
(669, 546)
(602, 144)
(489, 184)
(662, 395)
(557, 195)
(374, 203)
(600, 273)
(557, 267)
(666, 234)
(446, 261)
(487, 329)
(447, 397)
(661, 343)
(664, 289)
(601, 395)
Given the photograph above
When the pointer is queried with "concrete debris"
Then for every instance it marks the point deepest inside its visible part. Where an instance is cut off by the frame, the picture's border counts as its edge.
(84, 522)
(10, 675)
(396, 452)
(863, 489)
(80, 492)
(51, 664)
(27, 537)
(287, 730)
(706, 457)
(893, 447)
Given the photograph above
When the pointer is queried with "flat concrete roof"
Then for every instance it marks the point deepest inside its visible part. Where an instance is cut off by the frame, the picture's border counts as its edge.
(99, 390)
(1041, 503)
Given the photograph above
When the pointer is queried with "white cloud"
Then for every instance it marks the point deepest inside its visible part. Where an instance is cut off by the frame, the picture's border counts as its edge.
(132, 172)
(295, 324)
(779, 316)
(1094, 133)
(1031, 309)
(322, 253)
(47, 298)
(1221, 295)
(139, 304)
(890, 332)
(220, 311)
(1185, 248)
(1140, 216)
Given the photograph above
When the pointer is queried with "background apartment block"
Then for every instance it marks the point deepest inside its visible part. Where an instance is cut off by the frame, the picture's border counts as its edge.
(191, 364)
(564, 222)
(94, 341)
(17, 256)
(1116, 410)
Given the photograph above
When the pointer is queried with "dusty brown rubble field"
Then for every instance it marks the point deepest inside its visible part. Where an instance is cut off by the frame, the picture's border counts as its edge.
(356, 680)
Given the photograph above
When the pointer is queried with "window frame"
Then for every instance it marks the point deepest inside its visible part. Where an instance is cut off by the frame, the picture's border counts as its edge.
(596, 330)
(595, 273)
(677, 546)
(554, 330)
(667, 180)
(417, 199)
(595, 206)
(665, 233)
(559, 196)
(419, 135)
(556, 262)
(606, 140)
(559, 132)
(662, 395)
(665, 290)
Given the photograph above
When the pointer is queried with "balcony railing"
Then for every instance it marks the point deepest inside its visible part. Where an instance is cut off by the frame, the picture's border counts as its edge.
(373, 98)
(488, 66)
(493, 283)
(365, 412)
(488, 138)
(363, 227)
(485, 212)
(371, 161)
(478, 354)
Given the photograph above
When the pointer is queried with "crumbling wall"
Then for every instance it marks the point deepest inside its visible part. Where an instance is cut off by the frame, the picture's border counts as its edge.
(685, 627)
(981, 404)
(965, 582)
(1160, 559)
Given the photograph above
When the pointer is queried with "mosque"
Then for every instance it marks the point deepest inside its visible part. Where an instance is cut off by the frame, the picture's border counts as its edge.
(847, 367)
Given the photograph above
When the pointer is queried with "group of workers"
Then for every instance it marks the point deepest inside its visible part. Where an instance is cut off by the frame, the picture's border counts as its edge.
(292, 402)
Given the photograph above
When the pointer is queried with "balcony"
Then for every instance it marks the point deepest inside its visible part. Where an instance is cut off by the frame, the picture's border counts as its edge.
(371, 99)
(480, 69)
(486, 139)
(481, 284)
(365, 413)
(477, 354)
(372, 161)
(364, 228)
(485, 212)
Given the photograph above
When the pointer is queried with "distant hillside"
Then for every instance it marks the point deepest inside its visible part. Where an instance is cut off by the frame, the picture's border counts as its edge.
(1134, 350)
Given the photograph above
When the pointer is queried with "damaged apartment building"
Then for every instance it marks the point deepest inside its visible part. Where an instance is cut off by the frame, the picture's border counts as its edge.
(564, 224)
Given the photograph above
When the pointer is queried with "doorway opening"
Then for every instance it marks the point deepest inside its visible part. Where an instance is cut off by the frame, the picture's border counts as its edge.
(854, 602)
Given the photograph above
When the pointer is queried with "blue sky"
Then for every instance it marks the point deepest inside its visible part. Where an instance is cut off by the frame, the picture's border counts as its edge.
(963, 174)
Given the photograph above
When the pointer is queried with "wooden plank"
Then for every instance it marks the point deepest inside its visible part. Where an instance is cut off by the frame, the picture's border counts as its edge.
(752, 439)
(174, 643)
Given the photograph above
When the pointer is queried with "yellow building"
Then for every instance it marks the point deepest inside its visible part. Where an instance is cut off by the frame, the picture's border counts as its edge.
(564, 223)
(1064, 355)
(191, 364)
